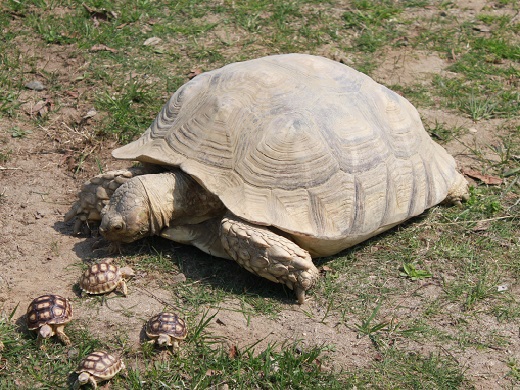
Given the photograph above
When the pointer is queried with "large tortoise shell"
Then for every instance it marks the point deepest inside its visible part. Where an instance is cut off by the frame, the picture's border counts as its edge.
(304, 144)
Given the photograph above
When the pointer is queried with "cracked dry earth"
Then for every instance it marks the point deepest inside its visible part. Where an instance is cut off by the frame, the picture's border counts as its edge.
(40, 255)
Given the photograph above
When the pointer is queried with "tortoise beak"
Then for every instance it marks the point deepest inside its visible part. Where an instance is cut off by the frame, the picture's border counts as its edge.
(111, 225)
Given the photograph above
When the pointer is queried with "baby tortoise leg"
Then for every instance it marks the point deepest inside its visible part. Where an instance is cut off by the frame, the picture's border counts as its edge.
(95, 195)
(60, 334)
(267, 254)
(122, 287)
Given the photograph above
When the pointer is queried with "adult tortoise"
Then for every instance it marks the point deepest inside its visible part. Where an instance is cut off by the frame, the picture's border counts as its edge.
(272, 161)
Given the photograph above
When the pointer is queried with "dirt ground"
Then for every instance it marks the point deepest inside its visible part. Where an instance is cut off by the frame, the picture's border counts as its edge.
(40, 255)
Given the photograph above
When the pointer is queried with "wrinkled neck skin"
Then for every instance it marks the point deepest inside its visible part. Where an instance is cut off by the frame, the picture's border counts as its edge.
(159, 200)
(147, 204)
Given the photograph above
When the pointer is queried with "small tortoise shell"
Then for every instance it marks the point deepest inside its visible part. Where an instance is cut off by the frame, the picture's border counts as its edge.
(166, 323)
(48, 309)
(103, 277)
(100, 365)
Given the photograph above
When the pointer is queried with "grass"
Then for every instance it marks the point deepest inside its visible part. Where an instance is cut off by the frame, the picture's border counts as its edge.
(128, 105)
(202, 362)
(416, 372)
(419, 297)
(483, 65)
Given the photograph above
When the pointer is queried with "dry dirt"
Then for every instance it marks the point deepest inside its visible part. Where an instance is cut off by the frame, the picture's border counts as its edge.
(40, 255)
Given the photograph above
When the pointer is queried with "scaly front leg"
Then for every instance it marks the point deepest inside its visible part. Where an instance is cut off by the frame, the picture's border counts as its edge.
(267, 254)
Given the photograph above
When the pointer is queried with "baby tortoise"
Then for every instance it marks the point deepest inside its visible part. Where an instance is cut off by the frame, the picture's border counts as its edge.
(97, 367)
(166, 329)
(105, 277)
(48, 315)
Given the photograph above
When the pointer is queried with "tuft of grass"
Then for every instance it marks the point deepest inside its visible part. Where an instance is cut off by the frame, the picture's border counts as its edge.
(514, 370)
(374, 22)
(445, 134)
(127, 116)
(5, 155)
(413, 273)
(16, 132)
(478, 109)
(434, 371)
(370, 329)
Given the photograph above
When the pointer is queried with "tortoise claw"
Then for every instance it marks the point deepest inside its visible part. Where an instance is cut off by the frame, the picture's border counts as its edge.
(300, 294)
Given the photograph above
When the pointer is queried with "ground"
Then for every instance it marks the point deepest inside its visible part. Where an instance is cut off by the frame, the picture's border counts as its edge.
(42, 172)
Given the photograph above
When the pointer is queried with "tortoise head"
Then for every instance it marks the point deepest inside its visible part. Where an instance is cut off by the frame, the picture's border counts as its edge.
(164, 340)
(83, 378)
(141, 207)
(127, 216)
(46, 331)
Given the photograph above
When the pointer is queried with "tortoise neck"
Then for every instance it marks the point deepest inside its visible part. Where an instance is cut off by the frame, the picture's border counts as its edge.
(158, 190)
(175, 198)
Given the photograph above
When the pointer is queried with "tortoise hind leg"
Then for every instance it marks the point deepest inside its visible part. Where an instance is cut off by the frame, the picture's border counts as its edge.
(458, 192)
(267, 254)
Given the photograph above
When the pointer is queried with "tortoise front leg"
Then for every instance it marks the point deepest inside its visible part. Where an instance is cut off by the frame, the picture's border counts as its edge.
(267, 254)
(93, 382)
(60, 334)
(256, 248)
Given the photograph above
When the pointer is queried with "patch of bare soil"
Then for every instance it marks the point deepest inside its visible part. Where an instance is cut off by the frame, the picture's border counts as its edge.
(40, 255)
(408, 67)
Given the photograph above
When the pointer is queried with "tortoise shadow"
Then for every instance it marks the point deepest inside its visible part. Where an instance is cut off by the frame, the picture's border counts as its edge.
(21, 327)
(196, 265)
(214, 272)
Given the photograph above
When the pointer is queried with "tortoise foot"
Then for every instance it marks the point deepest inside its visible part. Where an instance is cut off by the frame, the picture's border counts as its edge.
(267, 254)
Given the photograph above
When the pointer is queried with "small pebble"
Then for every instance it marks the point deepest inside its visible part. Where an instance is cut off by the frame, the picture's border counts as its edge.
(92, 112)
(152, 41)
(72, 353)
(35, 85)
(179, 278)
